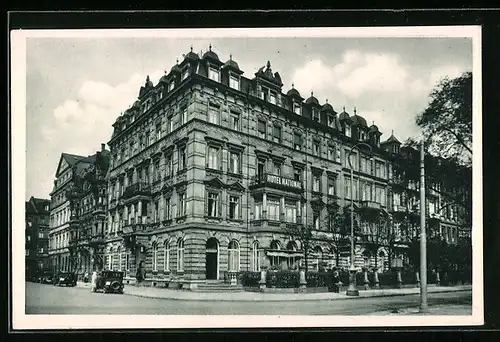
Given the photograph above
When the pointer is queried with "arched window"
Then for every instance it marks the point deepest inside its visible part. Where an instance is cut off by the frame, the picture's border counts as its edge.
(154, 257)
(291, 260)
(318, 252)
(255, 257)
(233, 256)
(180, 255)
(275, 260)
(166, 256)
(120, 259)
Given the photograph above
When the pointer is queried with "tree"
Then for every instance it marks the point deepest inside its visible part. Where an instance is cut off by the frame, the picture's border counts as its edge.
(303, 234)
(447, 120)
(338, 229)
(377, 234)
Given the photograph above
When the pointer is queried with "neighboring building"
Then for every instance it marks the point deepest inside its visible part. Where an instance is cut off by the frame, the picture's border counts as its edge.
(209, 167)
(37, 229)
(78, 212)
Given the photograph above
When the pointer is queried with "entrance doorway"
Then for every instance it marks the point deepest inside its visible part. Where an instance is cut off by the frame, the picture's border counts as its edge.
(212, 259)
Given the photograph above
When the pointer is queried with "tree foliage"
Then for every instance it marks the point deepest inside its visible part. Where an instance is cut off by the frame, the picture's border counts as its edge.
(303, 234)
(447, 120)
(338, 228)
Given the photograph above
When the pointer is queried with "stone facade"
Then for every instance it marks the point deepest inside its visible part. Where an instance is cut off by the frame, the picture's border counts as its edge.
(210, 171)
(37, 226)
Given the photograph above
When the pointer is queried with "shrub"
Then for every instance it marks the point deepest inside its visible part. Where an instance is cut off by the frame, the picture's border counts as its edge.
(248, 278)
(282, 279)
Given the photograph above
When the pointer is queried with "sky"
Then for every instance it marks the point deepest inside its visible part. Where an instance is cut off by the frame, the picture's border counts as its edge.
(77, 87)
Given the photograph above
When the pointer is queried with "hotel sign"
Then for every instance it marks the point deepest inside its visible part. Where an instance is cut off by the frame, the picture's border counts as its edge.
(292, 183)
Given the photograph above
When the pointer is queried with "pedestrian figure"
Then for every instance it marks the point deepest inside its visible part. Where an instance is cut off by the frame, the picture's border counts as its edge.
(141, 272)
(94, 281)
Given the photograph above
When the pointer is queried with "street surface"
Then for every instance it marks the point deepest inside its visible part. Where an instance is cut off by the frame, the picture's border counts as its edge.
(48, 299)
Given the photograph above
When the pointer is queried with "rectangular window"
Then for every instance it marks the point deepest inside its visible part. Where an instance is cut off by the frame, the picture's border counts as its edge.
(273, 210)
(28, 238)
(146, 138)
(213, 74)
(234, 82)
(331, 121)
(169, 168)
(315, 115)
(277, 169)
(213, 205)
(347, 188)
(297, 141)
(296, 108)
(234, 162)
(262, 128)
(348, 131)
(316, 220)
(184, 117)
(261, 168)
(213, 114)
(213, 158)
(297, 174)
(291, 213)
(158, 132)
(331, 153)
(258, 210)
(182, 205)
(171, 85)
(40, 235)
(185, 74)
(234, 203)
(167, 215)
(182, 158)
(157, 174)
(170, 124)
(234, 121)
(316, 148)
(331, 186)
(272, 98)
(277, 133)
(157, 211)
(316, 183)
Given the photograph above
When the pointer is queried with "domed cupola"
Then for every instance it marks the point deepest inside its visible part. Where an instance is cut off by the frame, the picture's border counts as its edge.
(267, 73)
(327, 108)
(176, 68)
(358, 120)
(191, 56)
(146, 88)
(312, 100)
(344, 116)
(232, 65)
(212, 57)
(294, 94)
(373, 128)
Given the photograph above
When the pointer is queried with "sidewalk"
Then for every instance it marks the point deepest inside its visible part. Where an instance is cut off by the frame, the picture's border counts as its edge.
(153, 292)
(434, 310)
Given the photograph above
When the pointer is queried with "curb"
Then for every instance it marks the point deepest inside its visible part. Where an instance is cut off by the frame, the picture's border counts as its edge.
(263, 299)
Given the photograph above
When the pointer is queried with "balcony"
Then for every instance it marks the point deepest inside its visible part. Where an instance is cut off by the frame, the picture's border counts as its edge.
(276, 181)
(133, 226)
(369, 205)
(137, 189)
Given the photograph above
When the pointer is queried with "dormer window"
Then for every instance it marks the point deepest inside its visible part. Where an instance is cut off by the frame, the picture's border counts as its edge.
(213, 74)
(315, 114)
(272, 98)
(234, 82)
(362, 136)
(185, 74)
(331, 121)
(348, 131)
(296, 108)
(171, 85)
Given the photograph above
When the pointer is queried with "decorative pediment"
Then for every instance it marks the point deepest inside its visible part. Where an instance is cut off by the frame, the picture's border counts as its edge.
(181, 142)
(236, 186)
(235, 147)
(168, 149)
(332, 174)
(155, 156)
(215, 183)
(214, 141)
(316, 170)
(298, 165)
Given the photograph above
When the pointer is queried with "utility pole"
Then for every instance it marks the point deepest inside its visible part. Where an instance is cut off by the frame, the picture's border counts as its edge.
(423, 242)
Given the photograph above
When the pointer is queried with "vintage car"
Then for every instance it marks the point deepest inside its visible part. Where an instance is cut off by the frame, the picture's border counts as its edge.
(64, 278)
(45, 278)
(109, 282)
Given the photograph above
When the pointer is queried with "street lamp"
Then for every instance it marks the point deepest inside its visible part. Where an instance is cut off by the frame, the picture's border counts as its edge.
(352, 290)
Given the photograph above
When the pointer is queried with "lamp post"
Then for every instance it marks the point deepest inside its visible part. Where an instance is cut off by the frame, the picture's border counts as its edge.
(352, 290)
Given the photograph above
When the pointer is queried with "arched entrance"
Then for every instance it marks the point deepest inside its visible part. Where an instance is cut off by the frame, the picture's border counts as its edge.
(212, 259)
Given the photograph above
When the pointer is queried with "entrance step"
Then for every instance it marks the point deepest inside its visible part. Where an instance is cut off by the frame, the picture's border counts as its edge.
(217, 286)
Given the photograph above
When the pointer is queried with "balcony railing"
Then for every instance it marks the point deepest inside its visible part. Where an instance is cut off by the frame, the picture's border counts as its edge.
(280, 181)
(139, 188)
(369, 205)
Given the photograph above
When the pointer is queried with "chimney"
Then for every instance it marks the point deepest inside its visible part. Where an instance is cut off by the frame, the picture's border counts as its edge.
(103, 147)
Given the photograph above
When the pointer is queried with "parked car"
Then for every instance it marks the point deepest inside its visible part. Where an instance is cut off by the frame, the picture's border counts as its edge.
(65, 278)
(109, 282)
(45, 278)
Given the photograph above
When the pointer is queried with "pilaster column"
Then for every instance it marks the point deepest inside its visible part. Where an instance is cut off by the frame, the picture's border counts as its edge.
(140, 212)
(282, 208)
(264, 206)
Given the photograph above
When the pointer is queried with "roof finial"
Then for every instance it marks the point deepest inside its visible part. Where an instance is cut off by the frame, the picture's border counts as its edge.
(268, 64)
(343, 108)
(373, 122)
(312, 93)
(392, 133)
(326, 100)
(293, 86)
(354, 110)
(191, 48)
(165, 72)
(210, 47)
(231, 56)
(177, 61)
